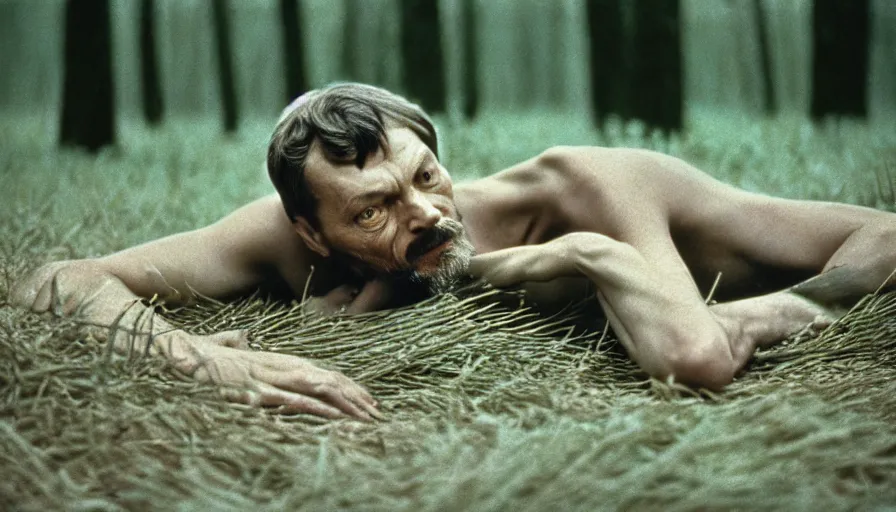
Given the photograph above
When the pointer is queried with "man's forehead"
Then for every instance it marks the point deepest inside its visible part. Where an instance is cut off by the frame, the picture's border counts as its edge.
(402, 141)
(403, 147)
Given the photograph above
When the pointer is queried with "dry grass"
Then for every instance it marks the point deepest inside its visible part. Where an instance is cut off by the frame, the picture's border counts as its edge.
(489, 407)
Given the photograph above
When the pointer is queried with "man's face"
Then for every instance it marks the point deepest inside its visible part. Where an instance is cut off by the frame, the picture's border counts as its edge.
(395, 216)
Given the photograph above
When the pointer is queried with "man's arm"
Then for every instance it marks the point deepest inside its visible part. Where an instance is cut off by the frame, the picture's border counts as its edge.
(663, 324)
(851, 248)
(229, 257)
(646, 289)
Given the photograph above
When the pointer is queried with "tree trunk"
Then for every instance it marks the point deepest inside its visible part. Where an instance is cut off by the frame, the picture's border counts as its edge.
(636, 60)
(149, 65)
(609, 75)
(88, 108)
(840, 57)
(421, 49)
(655, 88)
(293, 49)
(221, 23)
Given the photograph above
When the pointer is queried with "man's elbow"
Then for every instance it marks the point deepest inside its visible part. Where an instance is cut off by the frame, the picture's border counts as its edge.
(26, 291)
(40, 290)
(704, 363)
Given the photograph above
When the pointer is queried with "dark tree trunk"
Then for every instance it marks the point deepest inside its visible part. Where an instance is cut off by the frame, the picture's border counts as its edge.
(840, 57)
(421, 51)
(769, 102)
(655, 90)
(149, 65)
(88, 108)
(293, 49)
(221, 23)
(610, 76)
(470, 26)
(636, 60)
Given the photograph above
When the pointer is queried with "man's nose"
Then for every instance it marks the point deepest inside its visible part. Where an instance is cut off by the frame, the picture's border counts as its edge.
(423, 215)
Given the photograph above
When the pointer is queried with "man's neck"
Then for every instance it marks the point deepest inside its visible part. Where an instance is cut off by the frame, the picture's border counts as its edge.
(465, 203)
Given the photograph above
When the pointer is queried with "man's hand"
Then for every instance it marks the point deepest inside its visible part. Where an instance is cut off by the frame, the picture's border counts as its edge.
(769, 319)
(289, 383)
(372, 296)
(527, 263)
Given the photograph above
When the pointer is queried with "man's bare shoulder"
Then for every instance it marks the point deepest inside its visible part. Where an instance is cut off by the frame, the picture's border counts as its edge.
(562, 173)
(267, 238)
(592, 188)
(637, 181)
(252, 247)
(533, 201)
(564, 168)
(263, 221)
(532, 181)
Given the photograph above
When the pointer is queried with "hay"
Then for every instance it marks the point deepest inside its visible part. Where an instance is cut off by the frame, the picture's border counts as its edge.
(488, 407)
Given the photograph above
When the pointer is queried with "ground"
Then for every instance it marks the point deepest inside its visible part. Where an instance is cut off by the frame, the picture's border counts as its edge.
(489, 406)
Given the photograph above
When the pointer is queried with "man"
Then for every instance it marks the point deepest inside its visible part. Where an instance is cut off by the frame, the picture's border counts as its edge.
(372, 216)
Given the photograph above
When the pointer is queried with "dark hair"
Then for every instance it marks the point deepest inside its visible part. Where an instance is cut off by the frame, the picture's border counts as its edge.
(349, 121)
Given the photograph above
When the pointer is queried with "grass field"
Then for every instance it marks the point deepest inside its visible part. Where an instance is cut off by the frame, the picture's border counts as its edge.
(488, 408)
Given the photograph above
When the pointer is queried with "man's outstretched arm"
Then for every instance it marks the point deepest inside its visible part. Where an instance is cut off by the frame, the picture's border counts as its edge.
(218, 261)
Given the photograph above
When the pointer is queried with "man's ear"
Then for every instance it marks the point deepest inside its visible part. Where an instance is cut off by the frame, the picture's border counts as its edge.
(312, 237)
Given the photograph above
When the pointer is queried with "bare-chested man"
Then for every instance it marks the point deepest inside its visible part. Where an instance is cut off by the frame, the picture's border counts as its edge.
(370, 208)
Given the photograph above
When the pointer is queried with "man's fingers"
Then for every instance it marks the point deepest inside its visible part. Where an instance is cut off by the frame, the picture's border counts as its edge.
(271, 396)
(332, 388)
(360, 396)
(347, 405)
(370, 409)
(238, 338)
(374, 295)
(822, 322)
(241, 396)
(359, 390)
(339, 394)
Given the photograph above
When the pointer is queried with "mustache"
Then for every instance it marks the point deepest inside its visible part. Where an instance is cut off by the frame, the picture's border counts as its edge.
(447, 229)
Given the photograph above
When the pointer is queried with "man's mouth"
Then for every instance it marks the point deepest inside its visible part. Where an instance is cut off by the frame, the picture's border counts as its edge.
(424, 246)
(429, 260)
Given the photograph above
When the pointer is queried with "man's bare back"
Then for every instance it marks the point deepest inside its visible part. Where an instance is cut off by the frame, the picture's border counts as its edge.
(649, 232)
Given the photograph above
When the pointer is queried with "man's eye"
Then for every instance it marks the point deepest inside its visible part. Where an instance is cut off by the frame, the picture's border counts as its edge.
(427, 176)
(369, 214)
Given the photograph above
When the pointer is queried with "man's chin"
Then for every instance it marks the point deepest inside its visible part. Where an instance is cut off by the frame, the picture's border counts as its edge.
(450, 272)
(429, 264)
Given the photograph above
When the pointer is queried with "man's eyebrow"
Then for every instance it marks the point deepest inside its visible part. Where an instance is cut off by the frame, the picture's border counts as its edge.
(425, 157)
(366, 197)
(369, 196)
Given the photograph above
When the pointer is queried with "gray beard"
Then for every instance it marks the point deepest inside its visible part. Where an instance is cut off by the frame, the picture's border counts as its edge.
(412, 286)
(451, 271)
